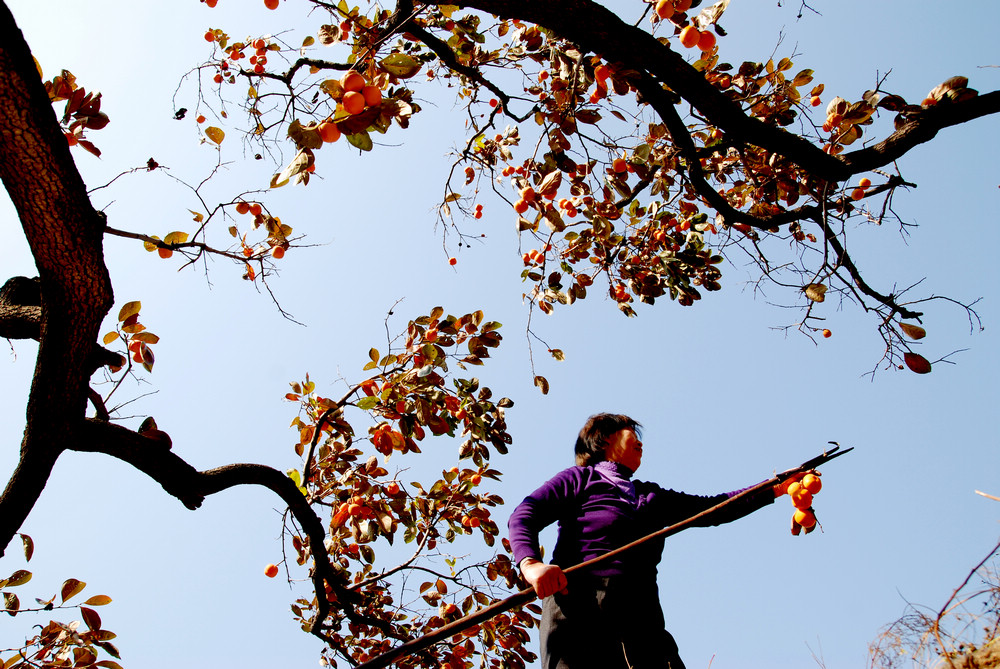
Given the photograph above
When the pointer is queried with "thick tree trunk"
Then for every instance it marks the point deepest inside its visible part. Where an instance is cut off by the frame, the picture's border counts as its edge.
(65, 235)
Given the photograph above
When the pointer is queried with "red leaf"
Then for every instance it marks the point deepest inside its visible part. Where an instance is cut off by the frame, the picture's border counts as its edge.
(917, 363)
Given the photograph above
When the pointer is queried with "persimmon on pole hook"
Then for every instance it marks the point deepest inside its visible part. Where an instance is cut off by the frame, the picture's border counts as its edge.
(528, 594)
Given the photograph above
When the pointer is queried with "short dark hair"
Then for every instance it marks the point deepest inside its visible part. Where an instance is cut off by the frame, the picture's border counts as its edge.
(593, 437)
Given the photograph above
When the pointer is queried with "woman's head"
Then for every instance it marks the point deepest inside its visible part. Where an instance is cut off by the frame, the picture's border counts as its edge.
(592, 442)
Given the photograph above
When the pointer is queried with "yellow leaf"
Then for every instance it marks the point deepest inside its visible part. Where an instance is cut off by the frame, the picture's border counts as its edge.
(447, 10)
(913, 331)
(110, 337)
(180, 237)
(215, 134)
(130, 309)
(815, 292)
(98, 600)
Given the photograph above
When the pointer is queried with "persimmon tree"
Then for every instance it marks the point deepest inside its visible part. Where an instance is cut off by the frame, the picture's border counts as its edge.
(635, 160)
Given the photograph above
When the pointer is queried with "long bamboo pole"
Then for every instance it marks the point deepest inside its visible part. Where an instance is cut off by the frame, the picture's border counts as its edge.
(528, 594)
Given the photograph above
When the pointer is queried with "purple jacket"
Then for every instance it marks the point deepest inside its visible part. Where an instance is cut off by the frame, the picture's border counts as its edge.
(595, 516)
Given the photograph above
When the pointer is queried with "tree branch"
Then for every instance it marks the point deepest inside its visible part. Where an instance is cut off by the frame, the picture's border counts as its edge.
(191, 487)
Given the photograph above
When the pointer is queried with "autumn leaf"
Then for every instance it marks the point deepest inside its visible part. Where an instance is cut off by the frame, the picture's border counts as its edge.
(19, 577)
(400, 65)
(29, 546)
(917, 363)
(815, 292)
(913, 331)
(215, 134)
(128, 310)
(70, 588)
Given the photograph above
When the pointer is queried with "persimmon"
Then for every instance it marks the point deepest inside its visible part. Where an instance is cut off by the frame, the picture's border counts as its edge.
(271, 4)
(528, 194)
(392, 488)
(372, 95)
(259, 43)
(812, 483)
(210, 36)
(805, 518)
(164, 253)
(619, 165)
(328, 132)
(211, 3)
(255, 209)
(520, 205)
(242, 207)
(857, 193)
(453, 260)
(278, 252)
(690, 36)
(865, 183)
(706, 41)
(665, 9)
(816, 101)
(802, 499)
(827, 333)
(271, 570)
(354, 103)
(353, 81)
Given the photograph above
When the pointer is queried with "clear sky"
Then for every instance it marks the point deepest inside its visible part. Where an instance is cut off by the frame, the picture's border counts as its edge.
(725, 395)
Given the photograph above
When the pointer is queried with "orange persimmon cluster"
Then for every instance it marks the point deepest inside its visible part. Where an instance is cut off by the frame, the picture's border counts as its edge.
(802, 492)
(358, 94)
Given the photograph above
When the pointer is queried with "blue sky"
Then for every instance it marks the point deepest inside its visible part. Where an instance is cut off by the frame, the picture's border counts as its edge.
(726, 396)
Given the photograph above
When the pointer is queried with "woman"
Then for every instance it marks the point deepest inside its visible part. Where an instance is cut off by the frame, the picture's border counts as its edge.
(610, 616)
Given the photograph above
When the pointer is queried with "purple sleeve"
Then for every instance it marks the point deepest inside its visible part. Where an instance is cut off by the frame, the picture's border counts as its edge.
(673, 506)
(742, 507)
(540, 509)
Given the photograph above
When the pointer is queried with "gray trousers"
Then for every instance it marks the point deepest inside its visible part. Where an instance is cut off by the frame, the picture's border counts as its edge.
(606, 623)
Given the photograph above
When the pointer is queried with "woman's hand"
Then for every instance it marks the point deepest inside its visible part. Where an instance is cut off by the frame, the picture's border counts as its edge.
(545, 579)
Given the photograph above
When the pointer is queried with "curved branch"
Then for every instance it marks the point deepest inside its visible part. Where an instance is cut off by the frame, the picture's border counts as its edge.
(920, 128)
(191, 487)
(447, 56)
(597, 29)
